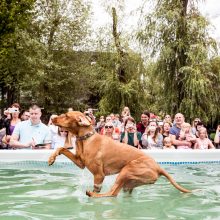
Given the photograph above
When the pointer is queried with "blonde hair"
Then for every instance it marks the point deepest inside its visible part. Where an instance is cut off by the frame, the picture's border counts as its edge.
(125, 110)
(186, 125)
(202, 129)
(166, 139)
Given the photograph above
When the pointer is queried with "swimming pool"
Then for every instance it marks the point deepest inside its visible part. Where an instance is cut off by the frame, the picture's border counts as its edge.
(29, 189)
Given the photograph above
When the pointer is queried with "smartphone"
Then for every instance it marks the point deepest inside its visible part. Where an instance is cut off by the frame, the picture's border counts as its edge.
(13, 110)
(41, 145)
(160, 123)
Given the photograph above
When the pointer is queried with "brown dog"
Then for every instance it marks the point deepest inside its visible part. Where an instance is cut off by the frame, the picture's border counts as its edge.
(103, 156)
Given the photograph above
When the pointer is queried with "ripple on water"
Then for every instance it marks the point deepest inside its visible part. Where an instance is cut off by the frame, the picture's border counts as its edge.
(41, 194)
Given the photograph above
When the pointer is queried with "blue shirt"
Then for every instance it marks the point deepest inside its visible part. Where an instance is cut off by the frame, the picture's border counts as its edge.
(175, 131)
(26, 132)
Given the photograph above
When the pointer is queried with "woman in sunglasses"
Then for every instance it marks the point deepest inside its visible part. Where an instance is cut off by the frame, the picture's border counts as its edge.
(194, 125)
(110, 131)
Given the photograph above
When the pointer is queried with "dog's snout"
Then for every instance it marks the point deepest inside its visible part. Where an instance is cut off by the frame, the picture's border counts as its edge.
(54, 119)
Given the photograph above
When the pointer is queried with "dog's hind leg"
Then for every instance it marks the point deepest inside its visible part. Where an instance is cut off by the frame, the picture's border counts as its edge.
(113, 192)
(135, 173)
(98, 180)
(127, 190)
(118, 185)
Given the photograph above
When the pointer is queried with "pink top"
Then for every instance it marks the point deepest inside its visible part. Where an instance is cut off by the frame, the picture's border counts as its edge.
(202, 143)
(187, 137)
(183, 147)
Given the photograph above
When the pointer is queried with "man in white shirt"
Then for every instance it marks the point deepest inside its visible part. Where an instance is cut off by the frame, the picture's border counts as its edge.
(32, 133)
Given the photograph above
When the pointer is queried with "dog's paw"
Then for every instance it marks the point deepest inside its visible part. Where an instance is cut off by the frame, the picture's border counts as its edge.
(51, 160)
(89, 193)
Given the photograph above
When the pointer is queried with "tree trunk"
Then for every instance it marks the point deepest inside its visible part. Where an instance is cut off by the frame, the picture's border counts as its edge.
(120, 69)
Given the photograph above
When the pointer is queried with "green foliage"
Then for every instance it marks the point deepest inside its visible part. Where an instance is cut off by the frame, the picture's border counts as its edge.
(14, 14)
(14, 17)
(113, 93)
(41, 60)
(177, 36)
(39, 64)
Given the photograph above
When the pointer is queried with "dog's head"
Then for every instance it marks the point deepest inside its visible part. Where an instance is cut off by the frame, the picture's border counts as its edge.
(72, 121)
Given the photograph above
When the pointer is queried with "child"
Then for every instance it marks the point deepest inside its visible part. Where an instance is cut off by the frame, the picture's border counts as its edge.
(167, 144)
(187, 135)
(202, 142)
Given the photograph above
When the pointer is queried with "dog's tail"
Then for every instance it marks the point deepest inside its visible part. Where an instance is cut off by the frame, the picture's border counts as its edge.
(173, 182)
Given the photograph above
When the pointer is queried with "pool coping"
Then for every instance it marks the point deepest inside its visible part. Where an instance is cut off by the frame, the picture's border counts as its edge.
(174, 157)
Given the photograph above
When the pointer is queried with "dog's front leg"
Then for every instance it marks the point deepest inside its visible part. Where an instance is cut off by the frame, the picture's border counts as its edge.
(68, 154)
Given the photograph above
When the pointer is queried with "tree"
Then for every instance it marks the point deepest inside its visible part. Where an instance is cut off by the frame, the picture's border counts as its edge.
(59, 27)
(14, 19)
(176, 36)
(215, 69)
(118, 72)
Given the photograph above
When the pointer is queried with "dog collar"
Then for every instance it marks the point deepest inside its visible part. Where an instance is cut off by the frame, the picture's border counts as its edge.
(86, 136)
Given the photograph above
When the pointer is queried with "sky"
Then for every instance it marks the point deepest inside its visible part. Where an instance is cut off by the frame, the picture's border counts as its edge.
(209, 8)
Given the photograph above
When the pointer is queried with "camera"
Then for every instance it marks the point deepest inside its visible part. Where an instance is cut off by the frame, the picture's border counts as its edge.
(160, 123)
(130, 125)
(87, 113)
(13, 110)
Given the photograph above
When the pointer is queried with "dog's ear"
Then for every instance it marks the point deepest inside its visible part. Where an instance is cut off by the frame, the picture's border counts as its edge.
(84, 121)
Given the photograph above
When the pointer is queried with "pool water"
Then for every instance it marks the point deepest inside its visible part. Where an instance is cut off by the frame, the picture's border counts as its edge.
(35, 191)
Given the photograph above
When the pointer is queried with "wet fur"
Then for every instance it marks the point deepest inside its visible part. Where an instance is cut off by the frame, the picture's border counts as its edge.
(103, 156)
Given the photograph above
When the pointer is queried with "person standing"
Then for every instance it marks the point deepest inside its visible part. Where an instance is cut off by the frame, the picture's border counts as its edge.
(152, 138)
(167, 119)
(130, 135)
(141, 126)
(109, 131)
(32, 133)
(25, 115)
(186, 134)
(63, 139)
(217, 137)
(12, 118)
(175, 131)
(116, 122)
(166, 129)
(203, 142)
(100, 124)
(194, 124)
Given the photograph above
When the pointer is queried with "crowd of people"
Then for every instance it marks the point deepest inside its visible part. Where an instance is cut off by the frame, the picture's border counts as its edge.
(25, 130)
(154, 132)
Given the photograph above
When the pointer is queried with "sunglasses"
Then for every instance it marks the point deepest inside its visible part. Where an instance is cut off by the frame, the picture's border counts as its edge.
(108, 126)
